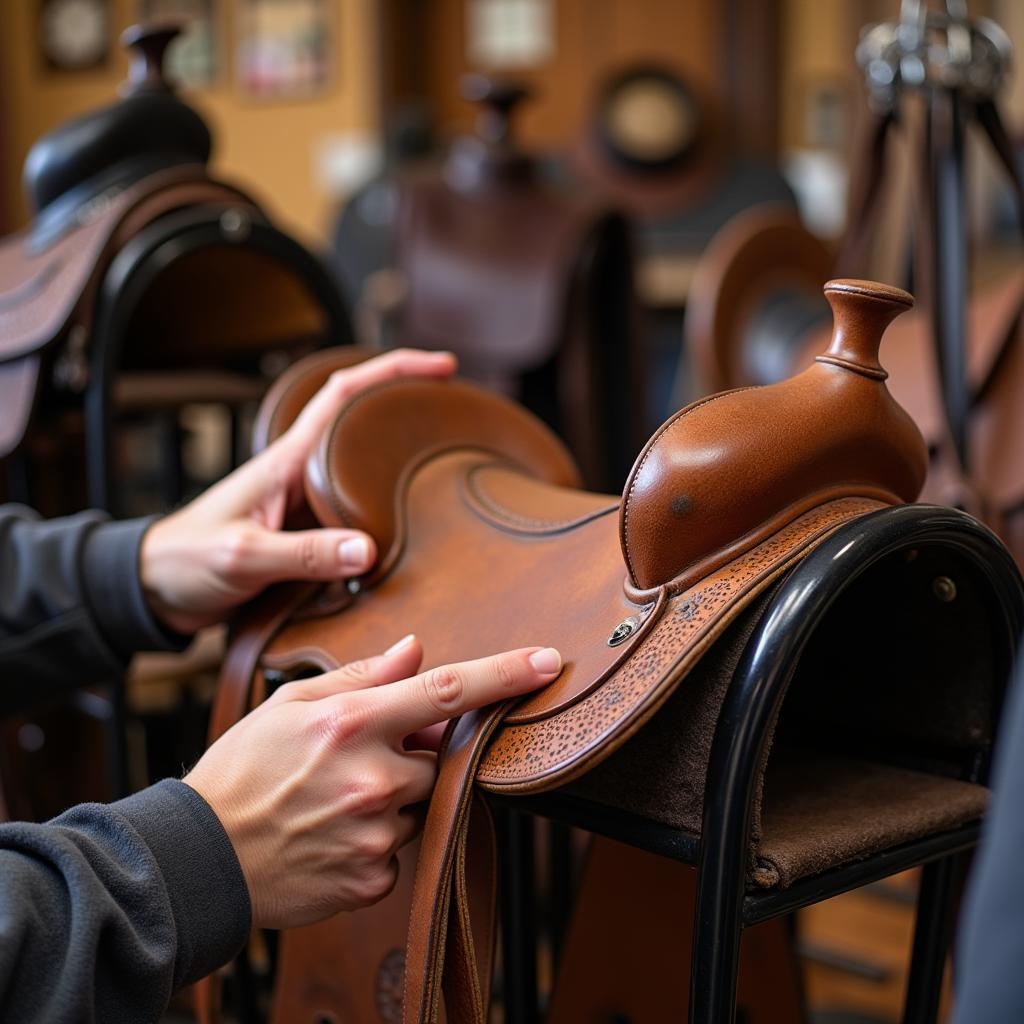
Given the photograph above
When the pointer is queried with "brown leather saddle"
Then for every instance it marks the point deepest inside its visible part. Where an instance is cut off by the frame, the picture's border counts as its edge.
(487, 544)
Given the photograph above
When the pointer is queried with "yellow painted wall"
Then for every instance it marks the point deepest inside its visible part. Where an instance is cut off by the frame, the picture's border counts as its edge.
(267, 146)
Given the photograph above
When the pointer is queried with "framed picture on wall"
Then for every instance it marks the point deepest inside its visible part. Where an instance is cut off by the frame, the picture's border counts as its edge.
(509, 34)
(192, 58)
(284, 48)
(74, 35)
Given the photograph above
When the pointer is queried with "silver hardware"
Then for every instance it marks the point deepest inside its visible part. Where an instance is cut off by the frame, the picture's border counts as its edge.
(624, 630)
(235, 225)
(31, 738)
(354, 586)
(944, 589)
(933, 47)
(71, 367)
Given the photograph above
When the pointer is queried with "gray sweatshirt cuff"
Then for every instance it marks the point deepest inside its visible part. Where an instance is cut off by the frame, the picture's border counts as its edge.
(204, 881)
(113, 588)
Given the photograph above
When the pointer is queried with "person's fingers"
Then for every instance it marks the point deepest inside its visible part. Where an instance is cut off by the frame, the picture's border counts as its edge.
(344, 384)
(426, 739)
(267, 482)
(253, 557)
(399, 661)
(416, 776)
(411, 821)
(441, 693)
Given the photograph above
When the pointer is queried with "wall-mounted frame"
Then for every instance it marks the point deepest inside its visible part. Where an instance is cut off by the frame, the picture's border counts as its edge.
(509, 34)
(194, 58)
(285, 48)
(74, 35)
(825, 110)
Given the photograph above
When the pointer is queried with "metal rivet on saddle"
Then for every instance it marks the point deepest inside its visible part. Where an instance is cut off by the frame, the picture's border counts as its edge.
(624, 630)
(235, 225)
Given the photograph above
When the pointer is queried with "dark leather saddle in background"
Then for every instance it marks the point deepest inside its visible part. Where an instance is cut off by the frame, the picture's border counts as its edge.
(100, 184)
(486, 544)
(529, 284)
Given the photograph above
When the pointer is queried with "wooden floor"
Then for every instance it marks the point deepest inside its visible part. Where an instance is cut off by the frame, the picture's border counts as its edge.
(857, 950)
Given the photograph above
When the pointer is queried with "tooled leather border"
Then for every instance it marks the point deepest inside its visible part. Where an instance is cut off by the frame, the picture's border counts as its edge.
(546, 753)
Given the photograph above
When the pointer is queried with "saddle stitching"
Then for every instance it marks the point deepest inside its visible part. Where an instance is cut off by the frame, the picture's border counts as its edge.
(651, 614)
(504, 518)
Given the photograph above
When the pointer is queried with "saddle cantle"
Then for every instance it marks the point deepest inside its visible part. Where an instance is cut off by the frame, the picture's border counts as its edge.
(485, 544)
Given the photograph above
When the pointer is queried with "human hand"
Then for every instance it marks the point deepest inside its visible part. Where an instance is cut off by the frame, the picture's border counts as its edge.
(316, 788)
(201, 562)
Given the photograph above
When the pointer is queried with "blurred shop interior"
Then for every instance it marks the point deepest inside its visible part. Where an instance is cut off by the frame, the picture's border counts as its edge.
(606, 208)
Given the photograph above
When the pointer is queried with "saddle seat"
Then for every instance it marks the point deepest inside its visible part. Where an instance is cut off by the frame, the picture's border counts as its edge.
(485, 543)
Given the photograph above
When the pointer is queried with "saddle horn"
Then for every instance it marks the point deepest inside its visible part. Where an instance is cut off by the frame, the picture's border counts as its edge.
(726, 472)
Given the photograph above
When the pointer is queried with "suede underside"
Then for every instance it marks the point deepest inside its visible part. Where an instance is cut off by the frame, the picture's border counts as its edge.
(823, 810)
(882, 721)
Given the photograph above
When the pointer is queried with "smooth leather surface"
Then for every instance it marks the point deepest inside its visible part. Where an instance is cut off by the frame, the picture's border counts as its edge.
(370, 454)
(994, 371)
(488, 273)
(729, 470)
(288, 395)
(531, 287)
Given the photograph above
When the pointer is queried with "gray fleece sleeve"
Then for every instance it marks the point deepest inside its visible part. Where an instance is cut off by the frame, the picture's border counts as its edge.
(72, 610)
(106, 910)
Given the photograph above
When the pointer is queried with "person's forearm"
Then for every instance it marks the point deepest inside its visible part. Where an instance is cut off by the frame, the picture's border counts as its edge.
(72, 610)
(106, 910)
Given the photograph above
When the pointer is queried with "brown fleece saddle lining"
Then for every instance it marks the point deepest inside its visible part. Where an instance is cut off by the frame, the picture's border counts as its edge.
(874, 734)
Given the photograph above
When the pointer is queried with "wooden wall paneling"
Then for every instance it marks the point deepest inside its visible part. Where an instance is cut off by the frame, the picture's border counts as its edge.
(750, 77)
(593, 38)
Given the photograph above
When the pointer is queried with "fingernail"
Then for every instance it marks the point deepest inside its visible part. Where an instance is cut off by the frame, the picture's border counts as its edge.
(547, 661)
(354, 552)
(404, 642)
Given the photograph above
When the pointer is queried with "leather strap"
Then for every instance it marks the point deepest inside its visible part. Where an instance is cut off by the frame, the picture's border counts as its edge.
(264, 618)
(865, 199)
(257, 629)
(441, 893)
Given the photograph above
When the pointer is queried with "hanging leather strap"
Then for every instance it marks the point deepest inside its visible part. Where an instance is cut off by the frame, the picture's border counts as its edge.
(452, 903)
(232, 702)
(990, 119)
(865, 199)
(248, 641)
